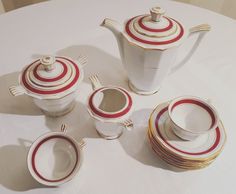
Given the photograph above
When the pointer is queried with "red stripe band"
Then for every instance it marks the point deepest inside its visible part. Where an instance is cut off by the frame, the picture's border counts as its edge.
(37, 91)
(191, 101)
(35, 152)
(110, 115)
(153, 42)
(37, 76)
(140, 22)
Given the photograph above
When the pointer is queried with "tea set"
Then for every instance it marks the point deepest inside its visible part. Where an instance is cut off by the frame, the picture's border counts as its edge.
(185, 132)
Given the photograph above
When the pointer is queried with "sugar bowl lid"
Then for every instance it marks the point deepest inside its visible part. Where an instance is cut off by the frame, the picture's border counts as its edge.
(51, 77)
(154, 30)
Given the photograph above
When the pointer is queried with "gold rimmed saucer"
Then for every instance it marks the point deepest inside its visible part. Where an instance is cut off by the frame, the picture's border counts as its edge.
(180, 153)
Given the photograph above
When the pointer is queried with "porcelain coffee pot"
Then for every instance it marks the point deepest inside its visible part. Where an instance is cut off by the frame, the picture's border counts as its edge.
(148, 46)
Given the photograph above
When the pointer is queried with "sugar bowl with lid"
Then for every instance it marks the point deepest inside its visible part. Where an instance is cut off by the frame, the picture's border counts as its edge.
(52, 82)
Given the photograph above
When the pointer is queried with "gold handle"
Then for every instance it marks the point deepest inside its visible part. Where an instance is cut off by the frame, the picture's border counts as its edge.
(96, 84)
(17, 90)
(201, 27)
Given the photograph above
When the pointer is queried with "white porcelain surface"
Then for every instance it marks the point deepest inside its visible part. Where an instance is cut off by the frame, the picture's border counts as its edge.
(62, 92)
(149, 56)
(146, 69)
(202, 147)
(54, 158)
(109, 106)
(57, 107)
(128, 164)
(191, 116)
(104, 102)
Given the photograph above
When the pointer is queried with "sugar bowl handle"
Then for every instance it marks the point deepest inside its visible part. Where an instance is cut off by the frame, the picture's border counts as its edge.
(81, 143)
(63, 128)
(17, 90)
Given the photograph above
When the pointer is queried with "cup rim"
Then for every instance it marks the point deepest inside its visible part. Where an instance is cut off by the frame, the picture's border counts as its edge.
(110, 115)
(34, 148)
(197, 101)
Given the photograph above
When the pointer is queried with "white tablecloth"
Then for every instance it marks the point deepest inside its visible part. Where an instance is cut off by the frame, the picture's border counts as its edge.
(126, 165)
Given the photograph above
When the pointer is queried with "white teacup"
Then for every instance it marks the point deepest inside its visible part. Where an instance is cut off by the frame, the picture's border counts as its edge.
(191, 116)
(110, 106)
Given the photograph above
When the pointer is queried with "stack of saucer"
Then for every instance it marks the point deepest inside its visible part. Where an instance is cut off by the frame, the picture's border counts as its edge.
(186, 154)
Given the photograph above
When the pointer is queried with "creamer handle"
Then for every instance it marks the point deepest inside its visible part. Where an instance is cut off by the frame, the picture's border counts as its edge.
(96, 84)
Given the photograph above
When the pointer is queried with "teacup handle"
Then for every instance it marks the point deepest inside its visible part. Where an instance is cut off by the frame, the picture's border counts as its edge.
(96, 84)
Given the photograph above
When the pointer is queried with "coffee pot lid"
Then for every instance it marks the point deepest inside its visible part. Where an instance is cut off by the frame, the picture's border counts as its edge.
(154, 30)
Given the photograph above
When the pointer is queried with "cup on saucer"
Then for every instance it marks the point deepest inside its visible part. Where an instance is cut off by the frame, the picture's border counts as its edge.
(191, 117)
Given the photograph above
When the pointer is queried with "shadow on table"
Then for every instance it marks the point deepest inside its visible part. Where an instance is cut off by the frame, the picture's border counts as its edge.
(100, 63)
(13, 167)
(78, 122)
(80, 125)
(21, 105)
(136, 143)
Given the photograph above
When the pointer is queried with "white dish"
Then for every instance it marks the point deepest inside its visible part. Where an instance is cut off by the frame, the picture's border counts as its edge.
(191, 116)
(204, 146)
(54, 158)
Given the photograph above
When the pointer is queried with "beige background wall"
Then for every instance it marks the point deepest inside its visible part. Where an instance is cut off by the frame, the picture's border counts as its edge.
(14, 4)
(1, 8)
(226, 7)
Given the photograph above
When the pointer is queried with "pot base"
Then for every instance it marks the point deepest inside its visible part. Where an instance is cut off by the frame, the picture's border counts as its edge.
(60, 113)
(108, 137)
(141, 92)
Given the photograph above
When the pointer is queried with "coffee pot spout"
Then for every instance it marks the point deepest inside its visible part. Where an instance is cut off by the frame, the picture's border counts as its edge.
(116, 29)
(113, 26)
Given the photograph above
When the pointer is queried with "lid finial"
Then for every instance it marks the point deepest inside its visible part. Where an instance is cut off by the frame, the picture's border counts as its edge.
(157, 13)
(47, 62)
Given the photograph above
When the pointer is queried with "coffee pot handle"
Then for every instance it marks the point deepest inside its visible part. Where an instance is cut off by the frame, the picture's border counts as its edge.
(201, 30)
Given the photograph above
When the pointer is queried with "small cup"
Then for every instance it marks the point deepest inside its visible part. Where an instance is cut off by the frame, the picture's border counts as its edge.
(191, 116)
(110, 106)
(55, 158)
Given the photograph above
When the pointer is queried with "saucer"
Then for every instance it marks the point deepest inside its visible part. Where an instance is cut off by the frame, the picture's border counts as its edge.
(194, 154)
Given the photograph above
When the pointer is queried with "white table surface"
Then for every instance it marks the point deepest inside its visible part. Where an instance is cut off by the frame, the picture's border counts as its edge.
(126, 165)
